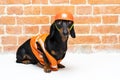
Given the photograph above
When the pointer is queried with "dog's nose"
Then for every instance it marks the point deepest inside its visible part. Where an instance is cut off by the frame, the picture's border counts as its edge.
(65, 32)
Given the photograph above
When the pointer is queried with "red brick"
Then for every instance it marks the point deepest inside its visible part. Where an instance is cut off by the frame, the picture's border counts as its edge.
(59, 1)
(107, 10)
(45, 29)
(10, 48)
(119, 39)
(87, 20)
(85, 40)
(3, 1)
(117, 46)
(33, 20)
(18, 1)
(105, 47)
(39, 1)
(110, 19)
(83, 10)
(82, 29)
(104, 1)
(109, 39)
(2, 10)
(35, 10)
(9, 40)
(106, 29)
(31, 29)
(77, 1)
(7, 20)
(22, 39)
(1, 29)
(15, 10)
(13, 29)
(52, 10)
(52, 19)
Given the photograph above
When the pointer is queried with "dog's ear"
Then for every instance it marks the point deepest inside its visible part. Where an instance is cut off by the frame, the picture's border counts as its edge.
(52, 30)
(72, 32)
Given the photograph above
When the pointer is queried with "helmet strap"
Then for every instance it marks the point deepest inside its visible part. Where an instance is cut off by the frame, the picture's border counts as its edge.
(71, 27)
(59, 29)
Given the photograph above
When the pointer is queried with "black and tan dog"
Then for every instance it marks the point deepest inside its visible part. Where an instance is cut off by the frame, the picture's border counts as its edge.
(48, 49)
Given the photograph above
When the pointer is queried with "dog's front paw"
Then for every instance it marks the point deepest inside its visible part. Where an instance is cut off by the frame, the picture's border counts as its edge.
(47, 69)
(61, 66)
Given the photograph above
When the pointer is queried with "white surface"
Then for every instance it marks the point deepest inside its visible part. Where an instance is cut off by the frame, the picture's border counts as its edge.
(96, 66)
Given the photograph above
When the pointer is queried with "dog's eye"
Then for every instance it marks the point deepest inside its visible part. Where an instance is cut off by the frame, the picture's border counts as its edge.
(69, 22)
(59, 22)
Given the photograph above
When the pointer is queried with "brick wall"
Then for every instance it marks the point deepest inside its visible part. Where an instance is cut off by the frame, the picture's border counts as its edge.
(97, 22)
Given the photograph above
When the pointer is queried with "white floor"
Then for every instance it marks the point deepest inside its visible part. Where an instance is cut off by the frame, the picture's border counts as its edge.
(104, 65)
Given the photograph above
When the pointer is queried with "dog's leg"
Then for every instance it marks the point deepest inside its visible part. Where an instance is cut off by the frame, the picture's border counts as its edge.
(22, 57)
(46, 67)
(26, 62)
(40, 65)
(61, 66)
(25, 59)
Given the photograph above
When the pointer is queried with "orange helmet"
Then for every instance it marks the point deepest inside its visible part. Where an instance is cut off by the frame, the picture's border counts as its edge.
(64, 16)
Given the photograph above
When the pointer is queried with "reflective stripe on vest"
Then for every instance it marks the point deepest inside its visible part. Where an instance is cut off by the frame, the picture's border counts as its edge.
(40, 39)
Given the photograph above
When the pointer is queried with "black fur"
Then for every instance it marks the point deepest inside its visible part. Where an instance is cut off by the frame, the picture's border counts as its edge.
(56, 41)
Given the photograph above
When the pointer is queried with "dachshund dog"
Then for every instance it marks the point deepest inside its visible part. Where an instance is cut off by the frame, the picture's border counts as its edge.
(50, 52)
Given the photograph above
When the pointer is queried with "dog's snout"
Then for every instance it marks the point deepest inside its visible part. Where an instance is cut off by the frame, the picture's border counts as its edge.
(64, 24)
(65, 32)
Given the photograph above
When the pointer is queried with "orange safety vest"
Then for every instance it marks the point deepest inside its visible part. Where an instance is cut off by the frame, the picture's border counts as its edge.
(38, 55)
